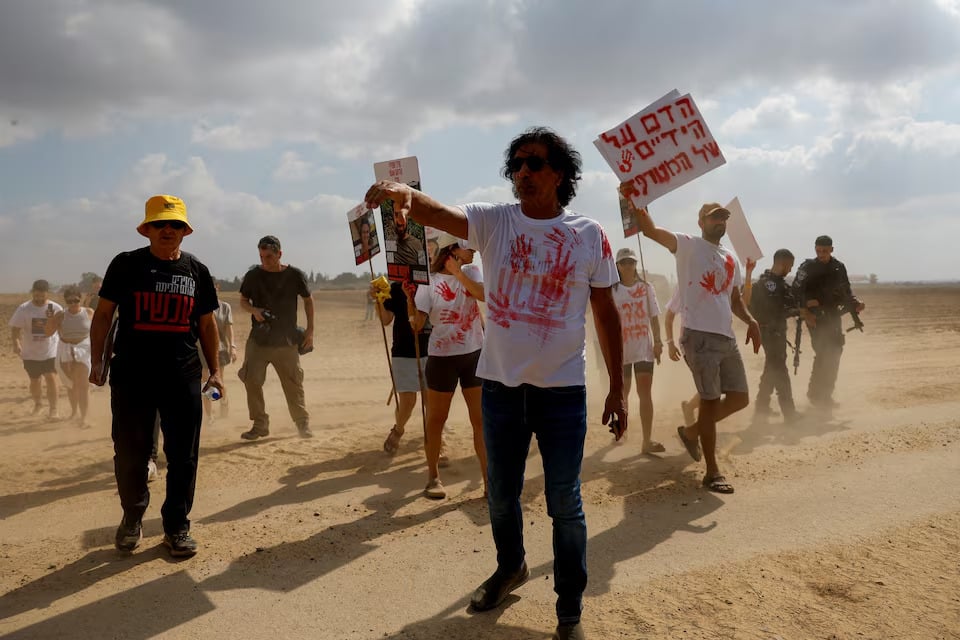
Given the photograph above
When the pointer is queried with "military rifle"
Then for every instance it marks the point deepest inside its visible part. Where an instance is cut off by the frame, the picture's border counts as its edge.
(857, 322)
(796, 345)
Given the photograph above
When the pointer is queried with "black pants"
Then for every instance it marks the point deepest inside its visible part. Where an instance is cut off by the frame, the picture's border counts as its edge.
(775, 375)
(136, 398)
(827, 339)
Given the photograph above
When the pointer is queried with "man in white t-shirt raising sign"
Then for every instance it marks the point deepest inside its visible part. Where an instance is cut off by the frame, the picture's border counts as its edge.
(708, 281)
(542, 265)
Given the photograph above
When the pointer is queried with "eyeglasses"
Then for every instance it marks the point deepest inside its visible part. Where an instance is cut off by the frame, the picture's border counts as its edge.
(534, 163)
(173, 224)
(73, 300)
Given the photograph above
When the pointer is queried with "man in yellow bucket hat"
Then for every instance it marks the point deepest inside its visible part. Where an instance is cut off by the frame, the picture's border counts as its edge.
(165, 299)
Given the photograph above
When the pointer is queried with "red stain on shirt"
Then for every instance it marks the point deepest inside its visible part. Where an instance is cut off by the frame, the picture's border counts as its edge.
(520, 254)
(445, 292)
(607, 251)
(709, 280)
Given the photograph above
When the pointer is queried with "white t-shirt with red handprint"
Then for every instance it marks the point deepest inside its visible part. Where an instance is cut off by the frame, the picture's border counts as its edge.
(706, 275)
(453, 312)
(635, 318)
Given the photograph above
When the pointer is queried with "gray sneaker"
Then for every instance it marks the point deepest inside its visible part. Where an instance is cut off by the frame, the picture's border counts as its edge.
(128, 535)
(181, 545)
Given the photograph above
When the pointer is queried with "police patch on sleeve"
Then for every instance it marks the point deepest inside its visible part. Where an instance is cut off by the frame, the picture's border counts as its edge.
(771, 286)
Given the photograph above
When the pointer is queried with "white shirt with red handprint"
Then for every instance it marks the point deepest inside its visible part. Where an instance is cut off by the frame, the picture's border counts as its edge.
(706, 275)
(632, 303)
(537, 278)
(453, 312)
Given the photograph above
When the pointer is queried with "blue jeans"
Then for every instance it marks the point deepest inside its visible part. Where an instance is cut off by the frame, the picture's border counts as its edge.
(511, 415)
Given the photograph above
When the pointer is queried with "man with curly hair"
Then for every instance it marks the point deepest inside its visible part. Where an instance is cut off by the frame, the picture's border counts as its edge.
(543, 264)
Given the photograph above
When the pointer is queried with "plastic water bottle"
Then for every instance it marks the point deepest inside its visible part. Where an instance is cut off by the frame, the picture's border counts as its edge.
(212, 393)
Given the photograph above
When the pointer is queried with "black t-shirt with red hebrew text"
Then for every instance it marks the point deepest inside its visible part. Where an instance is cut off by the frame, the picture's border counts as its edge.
(276, 291)
(160, 303)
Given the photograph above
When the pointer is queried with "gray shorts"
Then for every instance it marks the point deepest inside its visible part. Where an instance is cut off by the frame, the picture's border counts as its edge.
(715, 363)
(405, 374)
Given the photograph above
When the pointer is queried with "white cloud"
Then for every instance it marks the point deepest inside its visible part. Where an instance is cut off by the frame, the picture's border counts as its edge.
(773, 112)
(292, 168)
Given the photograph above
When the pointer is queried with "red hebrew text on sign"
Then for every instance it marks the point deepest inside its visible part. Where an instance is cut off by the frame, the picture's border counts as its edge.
(660, 148)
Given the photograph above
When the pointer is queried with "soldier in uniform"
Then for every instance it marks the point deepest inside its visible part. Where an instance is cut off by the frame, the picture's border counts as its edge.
(771, 304)
(823, 294)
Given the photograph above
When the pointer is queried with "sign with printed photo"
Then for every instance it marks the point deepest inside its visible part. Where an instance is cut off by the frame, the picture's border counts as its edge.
(660, 148)
(628, 216)
(405, 241)
(363, 233)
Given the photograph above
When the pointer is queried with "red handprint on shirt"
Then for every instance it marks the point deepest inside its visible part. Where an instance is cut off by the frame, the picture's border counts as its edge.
(445, 292)
(709, 280)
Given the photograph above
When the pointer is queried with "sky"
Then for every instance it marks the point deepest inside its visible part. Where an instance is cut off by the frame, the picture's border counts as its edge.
(839, 118)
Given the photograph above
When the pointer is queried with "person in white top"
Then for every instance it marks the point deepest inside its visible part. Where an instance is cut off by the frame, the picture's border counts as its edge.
(36, 348)
(709, 280)
(72, 325)
(639, 318)
(543, 265)
(450, 301)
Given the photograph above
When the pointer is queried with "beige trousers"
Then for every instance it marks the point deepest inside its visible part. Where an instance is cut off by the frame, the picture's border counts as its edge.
(286, 362)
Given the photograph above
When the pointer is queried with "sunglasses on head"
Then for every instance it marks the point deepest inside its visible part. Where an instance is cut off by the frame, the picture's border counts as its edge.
(173, 224)
(534, 163)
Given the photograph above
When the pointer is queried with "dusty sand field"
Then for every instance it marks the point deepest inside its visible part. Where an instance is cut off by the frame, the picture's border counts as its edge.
(845, 526)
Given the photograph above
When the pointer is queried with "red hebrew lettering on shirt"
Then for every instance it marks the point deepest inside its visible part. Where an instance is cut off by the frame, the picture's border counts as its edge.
(444, 291)
(709, 279)
(169, 312)
(520, 254)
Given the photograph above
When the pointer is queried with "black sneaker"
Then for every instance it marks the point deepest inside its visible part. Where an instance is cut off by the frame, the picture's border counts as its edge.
(497, 587)
(181, 545)
(569, 632)
(303, 429)
(128, 535)
(254, 433)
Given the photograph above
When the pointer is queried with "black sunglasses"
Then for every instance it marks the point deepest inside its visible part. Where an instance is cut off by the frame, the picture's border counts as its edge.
(534, 163)
(73, 300)
(173, 224)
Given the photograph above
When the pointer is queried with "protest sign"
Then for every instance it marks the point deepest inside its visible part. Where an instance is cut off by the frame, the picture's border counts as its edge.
(741, 237)
(660, 148)
(404, 240)
(628, 217)
(363, 232)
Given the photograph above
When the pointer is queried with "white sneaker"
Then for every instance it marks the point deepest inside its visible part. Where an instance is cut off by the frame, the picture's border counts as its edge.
(434, 490)
(151, 471)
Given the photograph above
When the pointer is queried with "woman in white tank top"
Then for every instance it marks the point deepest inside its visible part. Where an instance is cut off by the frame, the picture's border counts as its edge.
(73, 353)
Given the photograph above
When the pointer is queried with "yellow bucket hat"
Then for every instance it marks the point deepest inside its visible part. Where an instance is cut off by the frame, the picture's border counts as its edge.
(164, 207)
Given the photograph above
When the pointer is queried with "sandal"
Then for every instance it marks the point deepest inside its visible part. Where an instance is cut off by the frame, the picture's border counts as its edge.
(653, 447)
(392, 443)
(717, 484)
(693, 446)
